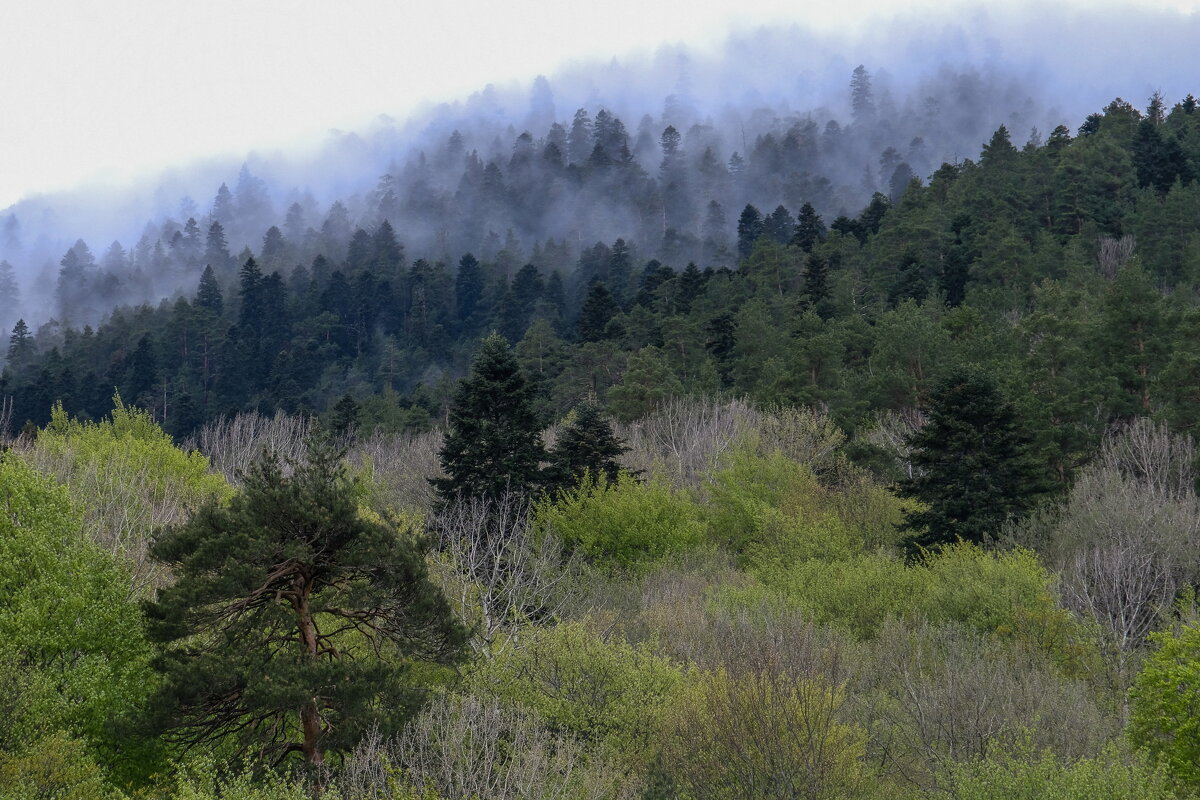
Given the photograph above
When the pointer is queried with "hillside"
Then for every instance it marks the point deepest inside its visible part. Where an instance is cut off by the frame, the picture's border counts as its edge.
(626, 440)
(1065, 268)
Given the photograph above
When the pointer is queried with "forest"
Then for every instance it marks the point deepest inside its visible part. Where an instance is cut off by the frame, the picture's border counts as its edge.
(738, 502)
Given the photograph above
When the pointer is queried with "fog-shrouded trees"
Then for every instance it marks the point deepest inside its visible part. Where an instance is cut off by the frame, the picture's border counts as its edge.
(296, 618)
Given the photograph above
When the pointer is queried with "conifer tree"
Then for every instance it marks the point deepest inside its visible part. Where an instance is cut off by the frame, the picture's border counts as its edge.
(208, 295)
(976, 467)
(493, 441)
(598, 309)
(345, 416)
(816, 286)
(216, 249)
(809, 228)
(779, 226)
(585, 446)
(468, 293)
(20, 345)
(267, 591)
(750, 227)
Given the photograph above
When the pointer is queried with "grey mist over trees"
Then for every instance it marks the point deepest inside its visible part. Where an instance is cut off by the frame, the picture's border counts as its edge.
(662, 150)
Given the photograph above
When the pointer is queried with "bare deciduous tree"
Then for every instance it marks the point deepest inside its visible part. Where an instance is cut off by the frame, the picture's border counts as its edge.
(933, 694)
(1124, 541)
(401, 466)
(892, 432)
(684, 436)
(1151, 454)
(1124, 547)
(1112, 253)
(499, 572)
(468, 747)
(232, 443)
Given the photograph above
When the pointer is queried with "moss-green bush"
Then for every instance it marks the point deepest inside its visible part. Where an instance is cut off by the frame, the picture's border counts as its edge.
(601, 689)
(72, 647)
(1108, 777)
(770, 508)
(626, 524)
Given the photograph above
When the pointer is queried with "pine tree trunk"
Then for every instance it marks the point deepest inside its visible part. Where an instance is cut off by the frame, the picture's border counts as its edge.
(310, 715)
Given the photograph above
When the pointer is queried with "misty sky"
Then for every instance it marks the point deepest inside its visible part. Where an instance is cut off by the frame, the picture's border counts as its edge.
(107, 91)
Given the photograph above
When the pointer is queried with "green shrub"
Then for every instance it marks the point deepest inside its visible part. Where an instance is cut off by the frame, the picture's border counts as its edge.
(626, 524)
(603, 690)
(756, 736)
(857, 595)
(1004, 594)
(58, 767)
(1165, 704)
(770, 508)
(1045, 777)
(1008, 594)
(203, 779)
(127, 477)
(72, 646)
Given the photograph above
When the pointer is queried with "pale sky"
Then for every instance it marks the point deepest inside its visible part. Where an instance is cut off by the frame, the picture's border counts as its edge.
(120, 88)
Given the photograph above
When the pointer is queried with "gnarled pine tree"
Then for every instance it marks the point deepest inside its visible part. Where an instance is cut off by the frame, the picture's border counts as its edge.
(295, 618)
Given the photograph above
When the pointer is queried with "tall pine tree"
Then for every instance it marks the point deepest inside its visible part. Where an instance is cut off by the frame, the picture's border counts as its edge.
(976, 467)
(493, 443)
(282, 605)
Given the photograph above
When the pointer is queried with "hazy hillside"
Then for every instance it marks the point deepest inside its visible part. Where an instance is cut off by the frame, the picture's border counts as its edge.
(770, 118)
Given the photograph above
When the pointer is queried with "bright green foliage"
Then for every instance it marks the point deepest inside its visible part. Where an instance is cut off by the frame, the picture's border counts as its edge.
(57, 767)
(978, 470)
(72, 648)
(623, 524)
(758, 736)
(493, 443)
(1108, 777)
(772, 508)
(857, 594)
(604, 690)
(127, 476)
(202, 779)
(1165, 716)
(295, 623)
(1008, 595)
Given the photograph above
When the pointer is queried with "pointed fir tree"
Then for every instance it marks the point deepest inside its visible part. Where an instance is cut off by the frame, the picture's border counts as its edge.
(493, 442)
(809, 230)
(20, 345)
(779, 226)
(910, 282)
(816, 286)
(468, 293)
(216, 250)
(345, 417)
(976, 469)
(142, 373)
(586, 446)
(208, 295)
(750, 227)
(862, 103)
(598, 310)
